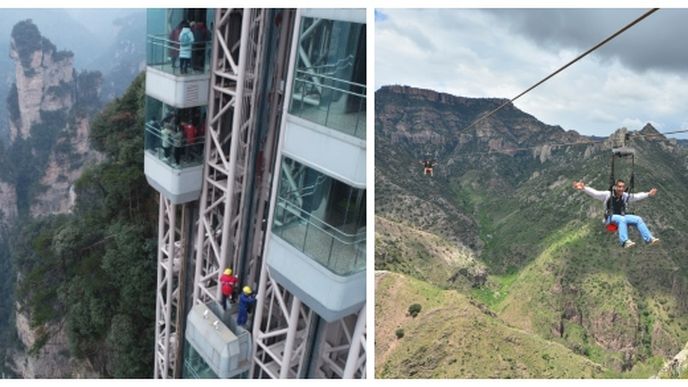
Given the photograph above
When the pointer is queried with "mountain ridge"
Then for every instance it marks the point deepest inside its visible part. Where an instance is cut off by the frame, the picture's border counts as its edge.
(536, 237)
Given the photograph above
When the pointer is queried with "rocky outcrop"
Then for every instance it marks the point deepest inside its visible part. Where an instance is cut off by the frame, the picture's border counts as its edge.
(49, 132)
(64, 168)
(677, 367)
(43, 98)
(611, 330)
(44, 78)
(476, 275)
(651, 133)
(8, 203)
(52, 360)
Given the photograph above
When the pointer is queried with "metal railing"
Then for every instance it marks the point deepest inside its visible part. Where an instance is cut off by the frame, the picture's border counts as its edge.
(173, 148)
(163, 54)
(339, 252)
(332, 102)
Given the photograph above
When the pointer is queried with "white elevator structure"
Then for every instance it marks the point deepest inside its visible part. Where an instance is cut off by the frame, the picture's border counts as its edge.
(256, 143)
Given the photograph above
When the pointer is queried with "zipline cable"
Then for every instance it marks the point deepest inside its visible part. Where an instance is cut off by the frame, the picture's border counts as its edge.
(581, 56)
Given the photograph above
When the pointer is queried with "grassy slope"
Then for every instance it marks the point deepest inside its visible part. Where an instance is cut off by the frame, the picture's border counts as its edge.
(624, 301)
(547, 258)
(453, 338)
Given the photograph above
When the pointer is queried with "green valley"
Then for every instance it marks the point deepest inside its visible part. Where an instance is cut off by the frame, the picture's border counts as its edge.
(514, 251)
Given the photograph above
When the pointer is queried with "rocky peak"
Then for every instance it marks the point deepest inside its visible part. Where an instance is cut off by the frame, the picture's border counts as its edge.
(624, 137)
(44, 78)
(50, 106)
(649, 131)
(619, 138)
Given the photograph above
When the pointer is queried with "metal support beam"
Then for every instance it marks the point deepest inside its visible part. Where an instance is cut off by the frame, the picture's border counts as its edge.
(280, 332)
(237, 60)
(172, 241)
(291, 338)
(358, 346)
(234, 218)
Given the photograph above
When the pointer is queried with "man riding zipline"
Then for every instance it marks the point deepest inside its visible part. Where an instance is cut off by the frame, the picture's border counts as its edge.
(428, 164)
(615, 210)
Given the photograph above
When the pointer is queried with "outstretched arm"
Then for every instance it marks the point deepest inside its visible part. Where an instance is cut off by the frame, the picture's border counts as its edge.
(599, 195)
(642, 195)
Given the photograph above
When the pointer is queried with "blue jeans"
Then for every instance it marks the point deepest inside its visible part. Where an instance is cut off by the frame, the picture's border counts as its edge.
(623, 221)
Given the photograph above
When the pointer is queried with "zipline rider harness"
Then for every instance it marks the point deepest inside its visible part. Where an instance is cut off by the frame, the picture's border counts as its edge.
(613, 204)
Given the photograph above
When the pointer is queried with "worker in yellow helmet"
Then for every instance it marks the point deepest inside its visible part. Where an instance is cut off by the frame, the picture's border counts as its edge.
(246, 300)
(227, 283)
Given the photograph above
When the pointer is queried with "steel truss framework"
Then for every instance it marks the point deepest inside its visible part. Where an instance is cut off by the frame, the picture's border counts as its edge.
(343, 350)
(283, 333)
(280, 333)
(283, 336)
(169, 304)
(237, 61)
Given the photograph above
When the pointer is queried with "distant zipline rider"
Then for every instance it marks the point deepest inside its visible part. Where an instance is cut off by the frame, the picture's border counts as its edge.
(427, 166)
(616, 203)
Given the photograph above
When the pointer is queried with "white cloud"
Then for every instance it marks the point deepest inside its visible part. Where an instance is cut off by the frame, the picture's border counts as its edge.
(478, 54)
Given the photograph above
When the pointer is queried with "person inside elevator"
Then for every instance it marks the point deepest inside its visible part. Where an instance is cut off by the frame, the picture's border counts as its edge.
(186, 39)
(189, 138)
(177, 144)
(200, 33)
(166, 139)
(173, 49)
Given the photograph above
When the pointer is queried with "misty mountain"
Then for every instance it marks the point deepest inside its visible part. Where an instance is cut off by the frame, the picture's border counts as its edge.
(111, 41)
(125, 57)
(59, 26)
(500, 225)
(88, 33)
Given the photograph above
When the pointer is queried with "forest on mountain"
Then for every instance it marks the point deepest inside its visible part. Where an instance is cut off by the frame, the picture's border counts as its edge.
(513, 269)
(93, 270)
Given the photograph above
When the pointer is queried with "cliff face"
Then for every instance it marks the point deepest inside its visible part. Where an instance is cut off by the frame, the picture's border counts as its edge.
(49, 106)
(44, 78)
(438, 120)
(63, 169)
(8, 203)
(52, 360)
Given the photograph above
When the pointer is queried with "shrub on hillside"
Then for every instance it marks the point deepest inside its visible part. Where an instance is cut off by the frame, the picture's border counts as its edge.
(414, 309)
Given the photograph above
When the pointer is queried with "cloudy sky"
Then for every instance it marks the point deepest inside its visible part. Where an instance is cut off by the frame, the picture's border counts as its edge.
(641, 76)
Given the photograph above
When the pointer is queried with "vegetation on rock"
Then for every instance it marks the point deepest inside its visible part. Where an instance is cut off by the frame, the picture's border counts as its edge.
(94, 269)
